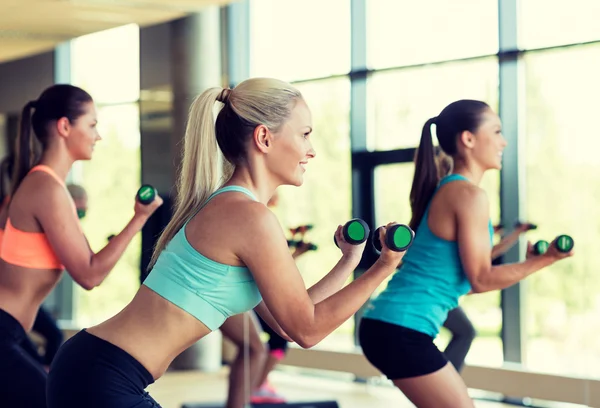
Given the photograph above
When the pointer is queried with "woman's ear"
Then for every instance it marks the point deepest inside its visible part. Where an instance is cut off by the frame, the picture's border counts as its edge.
(468, 139)
(63, 126)
(263, 138)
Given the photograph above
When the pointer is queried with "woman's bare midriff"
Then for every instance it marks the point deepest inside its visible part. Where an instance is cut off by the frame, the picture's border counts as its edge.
(152, 330)
(22, 291)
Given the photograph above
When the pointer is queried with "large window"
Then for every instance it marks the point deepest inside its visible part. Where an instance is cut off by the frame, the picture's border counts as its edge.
(111, 179)
(421, 56)
(563, 300)
(401, 101)
(106, 64)
(483, 309)
(324, 199)
(404, 32)
(550, 23)
(293, 40)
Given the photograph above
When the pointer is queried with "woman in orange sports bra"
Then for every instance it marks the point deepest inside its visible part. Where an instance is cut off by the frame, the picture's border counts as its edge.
(42, 235)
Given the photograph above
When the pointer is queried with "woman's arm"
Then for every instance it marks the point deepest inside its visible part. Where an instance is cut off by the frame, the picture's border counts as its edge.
(475, 253)
(307, 316)
(62, 228)
(508, 241)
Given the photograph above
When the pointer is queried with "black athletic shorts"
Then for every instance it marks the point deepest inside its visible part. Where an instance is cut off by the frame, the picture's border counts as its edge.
(93, 373)
(399, 352)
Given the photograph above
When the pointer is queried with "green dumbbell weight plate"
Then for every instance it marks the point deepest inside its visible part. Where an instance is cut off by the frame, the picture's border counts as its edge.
(146, 194)
(541, 247)
(356, 231)
(403, 236)
(564, 243)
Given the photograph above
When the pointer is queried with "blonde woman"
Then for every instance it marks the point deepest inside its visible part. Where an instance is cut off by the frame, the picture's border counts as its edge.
(223, 253)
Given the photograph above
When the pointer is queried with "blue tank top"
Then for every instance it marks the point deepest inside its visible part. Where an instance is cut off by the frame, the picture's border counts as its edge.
(428, 284)
(208, 290)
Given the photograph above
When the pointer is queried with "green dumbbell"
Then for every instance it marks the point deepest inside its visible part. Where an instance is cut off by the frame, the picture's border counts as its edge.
(398, 238)
(563, 243)
(540, 247)
(146, 194)
(355, 231)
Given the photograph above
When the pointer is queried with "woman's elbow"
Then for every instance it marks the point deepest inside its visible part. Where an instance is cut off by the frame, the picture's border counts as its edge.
(306, 342)
(478, 286)
(305, 338)
(87, 282)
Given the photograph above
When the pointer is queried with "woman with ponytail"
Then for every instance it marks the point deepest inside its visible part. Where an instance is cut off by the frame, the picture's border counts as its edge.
(451, 256)
(41, 235)
(223, 253)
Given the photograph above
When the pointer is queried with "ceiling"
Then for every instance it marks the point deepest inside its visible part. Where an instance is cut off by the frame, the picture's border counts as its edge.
(29, 27)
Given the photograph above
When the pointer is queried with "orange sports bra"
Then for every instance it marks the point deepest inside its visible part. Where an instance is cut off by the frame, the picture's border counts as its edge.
(30, 249)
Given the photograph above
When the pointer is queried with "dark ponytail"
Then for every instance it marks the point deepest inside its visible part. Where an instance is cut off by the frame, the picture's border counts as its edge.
(426, 176)
(56, 102)
(459, 116)
(24, 147)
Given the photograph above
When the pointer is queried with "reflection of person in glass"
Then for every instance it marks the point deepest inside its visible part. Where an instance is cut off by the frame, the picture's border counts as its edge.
(42, 235)
(222, 253)
(450, 257)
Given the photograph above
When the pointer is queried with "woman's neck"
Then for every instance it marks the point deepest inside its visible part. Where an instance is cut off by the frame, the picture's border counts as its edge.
(244, 177)
(472, 172)
(58, 161)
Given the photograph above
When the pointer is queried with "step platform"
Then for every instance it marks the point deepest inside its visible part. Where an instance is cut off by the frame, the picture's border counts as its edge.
(301, 404)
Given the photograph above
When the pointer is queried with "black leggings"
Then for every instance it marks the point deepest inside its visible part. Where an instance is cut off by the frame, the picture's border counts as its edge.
(22, 379)
(45, 326)
(93, 373)
(463, 334)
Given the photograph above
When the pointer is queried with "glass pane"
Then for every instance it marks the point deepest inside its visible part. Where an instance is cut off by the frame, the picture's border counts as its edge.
(484, 309)
(404, 32)
(107, 64)
(324, 200)
(111, 179)
(401, 101)
(551, 23)
(392, 189)
(293, 40)
(563, 302)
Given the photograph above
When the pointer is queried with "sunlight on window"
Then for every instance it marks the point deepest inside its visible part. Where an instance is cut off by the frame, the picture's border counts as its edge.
(106, 64)
(550, 23)
(400, 102)
(111, 179)
(563, 301)
(292, 40)
(404, 32)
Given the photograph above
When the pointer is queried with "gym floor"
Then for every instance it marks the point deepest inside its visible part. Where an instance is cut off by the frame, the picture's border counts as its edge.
(176, 388)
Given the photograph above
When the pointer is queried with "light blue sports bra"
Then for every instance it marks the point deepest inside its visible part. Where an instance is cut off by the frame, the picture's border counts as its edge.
(208, 290)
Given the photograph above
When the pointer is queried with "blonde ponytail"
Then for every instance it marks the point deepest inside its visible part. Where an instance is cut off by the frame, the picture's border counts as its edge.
(202, 170)
(212, 149)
